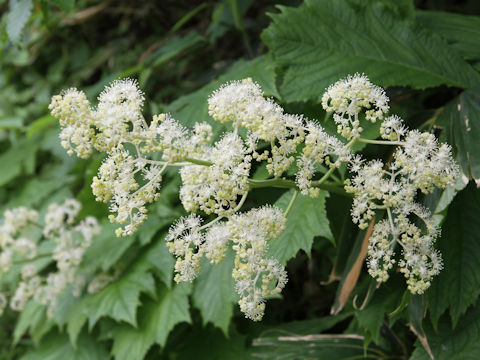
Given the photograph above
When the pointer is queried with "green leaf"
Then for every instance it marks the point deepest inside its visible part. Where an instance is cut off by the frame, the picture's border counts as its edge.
(383, 301)
(11, 122)
(17, 17)
(306, 220)
(210, 344)
(20, 157)
(214, 293)
(458, 284)
(462, 32)
(106, 248)
(193, 107)
(460, 343)
(120, 299)
(33, 318)
(461, 128)
(322, 41)
(321, 346)
(305, 327)
(65, 5)
(161, 260)
(156, 319)
(57, 347)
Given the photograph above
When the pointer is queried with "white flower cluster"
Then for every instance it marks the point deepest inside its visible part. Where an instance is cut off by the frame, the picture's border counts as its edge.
(419, 163)
(215, 177)
(347, 97)
(256, 276)
(20, 238)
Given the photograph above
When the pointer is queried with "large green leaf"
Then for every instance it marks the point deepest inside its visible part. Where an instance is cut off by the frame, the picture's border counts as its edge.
(120, 299)
(20, 11)
(157, 319)
(306, 219)
(106, 248)
(57, 347)
(214, 293)
(460, 343)
(458, 285)
(461, 128)
(461, 31)
(383, 301)
(34, 319)
(322, 41)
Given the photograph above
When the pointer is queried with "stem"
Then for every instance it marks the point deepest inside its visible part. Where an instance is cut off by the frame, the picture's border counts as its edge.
(324, 177)
(292, 201)
(381, 142)
(276, 183)
(39, 256)
(240, 204)
(199, 162)
(289, 184)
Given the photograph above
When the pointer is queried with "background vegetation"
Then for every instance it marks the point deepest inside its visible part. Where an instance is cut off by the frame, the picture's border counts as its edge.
(426, 52)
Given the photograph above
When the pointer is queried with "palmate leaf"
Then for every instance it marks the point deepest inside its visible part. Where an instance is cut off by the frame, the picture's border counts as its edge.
(119, 300)
(156, 319)
(459, 343)
(214, 293)
(322, 41)
(458, 285)
(307, 219)
(460, 121)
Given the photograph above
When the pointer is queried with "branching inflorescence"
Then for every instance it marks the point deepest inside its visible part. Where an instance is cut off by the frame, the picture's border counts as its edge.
(216, 177)
(29, 247)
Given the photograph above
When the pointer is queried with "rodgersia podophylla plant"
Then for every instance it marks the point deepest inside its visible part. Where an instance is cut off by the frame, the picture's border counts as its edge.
(22, 236)
(216, 176)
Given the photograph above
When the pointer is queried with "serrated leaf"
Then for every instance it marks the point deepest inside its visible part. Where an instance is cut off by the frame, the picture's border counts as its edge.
(20, 11)
(214, 293)
(383, 301)
(416, 314)
(156, 319)
(120, 299)
(460, 121)
(462, 32)
(31, 318)
(460, 343)
(20, 157)
(322, 41)
(106, 248)
(458, 285)
(161, 260)
(306, 220)
(57, 347)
